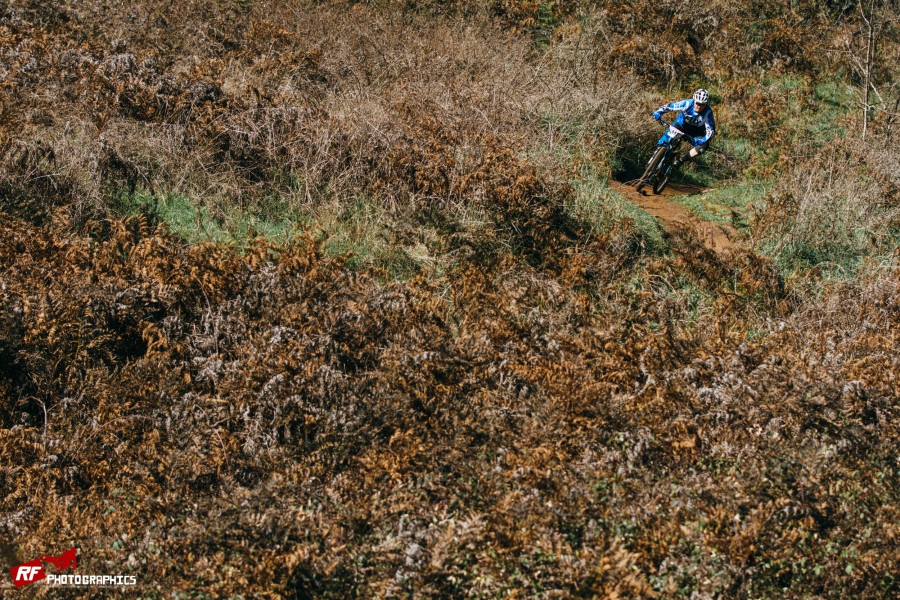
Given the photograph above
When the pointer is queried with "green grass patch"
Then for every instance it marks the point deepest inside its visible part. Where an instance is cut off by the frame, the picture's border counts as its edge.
(198, 220)
(596, 203)
(828, 261)
(841, 254)
(358, 228)
(737, 148)
(813, 112)
(729, 204)
(362, 229)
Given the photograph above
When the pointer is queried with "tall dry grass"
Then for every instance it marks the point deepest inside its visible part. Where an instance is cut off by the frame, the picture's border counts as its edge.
(549, 412)
(318, 106)
(836, 211)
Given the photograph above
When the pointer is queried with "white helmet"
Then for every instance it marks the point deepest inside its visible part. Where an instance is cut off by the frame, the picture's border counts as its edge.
(701, 96)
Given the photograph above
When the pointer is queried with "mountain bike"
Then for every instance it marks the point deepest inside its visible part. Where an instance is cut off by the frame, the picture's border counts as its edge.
(659, 169)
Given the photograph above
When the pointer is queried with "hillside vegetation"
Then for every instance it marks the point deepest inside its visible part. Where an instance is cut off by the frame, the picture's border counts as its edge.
(335, 299)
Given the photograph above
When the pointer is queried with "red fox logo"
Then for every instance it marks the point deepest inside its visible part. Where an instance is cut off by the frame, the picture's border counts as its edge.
(68, 559)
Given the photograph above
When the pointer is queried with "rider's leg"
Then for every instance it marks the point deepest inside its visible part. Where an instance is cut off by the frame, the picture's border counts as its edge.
(694, 152)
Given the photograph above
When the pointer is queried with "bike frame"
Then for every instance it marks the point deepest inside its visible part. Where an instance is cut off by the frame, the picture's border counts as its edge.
(673, 143)
(659, 163)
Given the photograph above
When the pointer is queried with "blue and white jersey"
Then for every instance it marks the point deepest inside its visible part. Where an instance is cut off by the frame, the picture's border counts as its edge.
(701, 126)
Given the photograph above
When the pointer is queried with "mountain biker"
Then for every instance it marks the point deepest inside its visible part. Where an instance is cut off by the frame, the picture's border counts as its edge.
(695, 118)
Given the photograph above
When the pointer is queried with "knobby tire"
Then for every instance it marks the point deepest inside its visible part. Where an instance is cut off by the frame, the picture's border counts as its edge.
(645, 178)
(662, 178)
(665, 169)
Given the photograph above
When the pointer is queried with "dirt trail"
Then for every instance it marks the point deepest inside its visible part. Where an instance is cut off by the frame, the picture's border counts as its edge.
(718, 237)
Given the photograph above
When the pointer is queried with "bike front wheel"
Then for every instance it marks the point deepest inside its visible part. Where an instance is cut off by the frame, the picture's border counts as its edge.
(651, 167)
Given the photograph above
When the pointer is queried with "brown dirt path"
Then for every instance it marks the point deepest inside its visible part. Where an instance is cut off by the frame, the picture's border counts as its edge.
(717, 237)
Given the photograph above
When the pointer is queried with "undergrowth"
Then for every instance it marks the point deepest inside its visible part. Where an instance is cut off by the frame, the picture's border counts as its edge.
(336, 300)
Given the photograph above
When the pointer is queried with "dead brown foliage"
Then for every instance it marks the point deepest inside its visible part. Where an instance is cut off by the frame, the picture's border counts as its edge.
(555, 415)
(339, 430)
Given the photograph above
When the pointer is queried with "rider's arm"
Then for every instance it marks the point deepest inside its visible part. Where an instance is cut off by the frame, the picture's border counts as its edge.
(674, 106)
(710, 123)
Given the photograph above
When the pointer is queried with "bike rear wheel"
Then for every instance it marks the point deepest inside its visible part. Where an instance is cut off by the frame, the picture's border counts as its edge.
(651, 167)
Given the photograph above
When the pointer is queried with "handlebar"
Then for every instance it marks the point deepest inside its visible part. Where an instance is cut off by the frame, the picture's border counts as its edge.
(667, 124)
